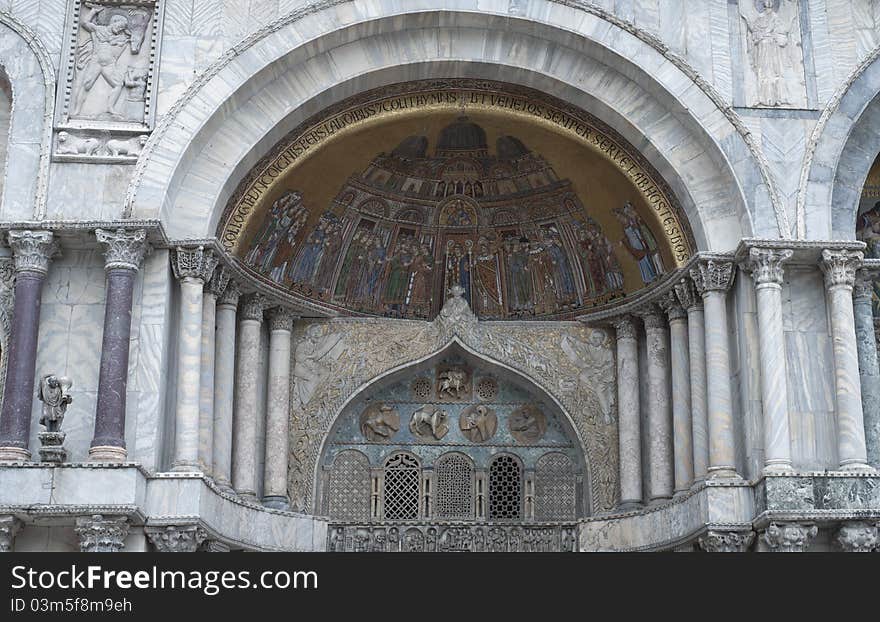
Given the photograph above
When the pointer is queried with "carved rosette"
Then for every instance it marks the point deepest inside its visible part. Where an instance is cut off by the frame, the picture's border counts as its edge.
(193, 263)
(858, 537)
(281, 319)
(726, 541)
(219, 281)
(713, 275)
(840, 267)
(231, 294)
(625, 326)
(9, 527)
(252, 307)
(669, 303)
(789, 537)
(124, 250)
(33, 250)
(101, 534)
(863, 287)
(176, 538)
(687, 294)
(766, 265)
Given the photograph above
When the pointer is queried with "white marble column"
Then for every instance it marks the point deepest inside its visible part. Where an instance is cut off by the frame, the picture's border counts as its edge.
(713, 277)
(840, 273)
(278, 410)
(244, 444)
(629, 433)
(863, 293)
(213, 288)
(192, 267)
(691, 300)
(682, 428)
(224, 385)
(659, 433)
(767, 273)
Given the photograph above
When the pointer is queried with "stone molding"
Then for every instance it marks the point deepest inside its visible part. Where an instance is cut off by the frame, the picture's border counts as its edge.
(712, 275)
(840, 267)
(626, 328)
(125, 249)
(193, 263)
(687, 294)
(863, 287)
(654, 318)
(281, 319)
(252, 307)
(766, 265)
(9, 528)
(670, 304)
(858, 536)
(715, 541)
(219, 281)
(32, 251)
(102, 534)
(230, 296)
(176, 538)
(789, 537)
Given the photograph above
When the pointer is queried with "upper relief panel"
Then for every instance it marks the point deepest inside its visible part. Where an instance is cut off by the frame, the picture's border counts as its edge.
(384, 203)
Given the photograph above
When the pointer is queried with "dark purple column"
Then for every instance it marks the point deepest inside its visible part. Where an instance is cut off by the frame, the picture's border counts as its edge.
(32, 251)
(124, 253)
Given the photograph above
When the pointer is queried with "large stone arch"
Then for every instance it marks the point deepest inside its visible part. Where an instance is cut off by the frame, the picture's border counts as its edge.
(277, 78)
(843, 146)
(28, 66)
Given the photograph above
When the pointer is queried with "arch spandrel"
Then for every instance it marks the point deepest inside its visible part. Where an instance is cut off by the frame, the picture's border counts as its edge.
(569, 363)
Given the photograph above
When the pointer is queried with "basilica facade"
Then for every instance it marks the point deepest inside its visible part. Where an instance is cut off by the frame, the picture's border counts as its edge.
(484, 275)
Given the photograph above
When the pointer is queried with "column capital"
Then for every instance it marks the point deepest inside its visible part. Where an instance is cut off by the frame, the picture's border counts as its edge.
(670, 304)
(101, 534)
(125, 249)
(840, 267)
(863, 287)
(789, 537)
(252, 307)
(231, 294)
(653, 317)
(726, 541)
(219, 281)
(858, 537)
(193, 263)
(9, 528)
(713, 275)
(626, 328)
(176, 538)
(281, 319)
(33, 250)
(687, 294)
(765, 265)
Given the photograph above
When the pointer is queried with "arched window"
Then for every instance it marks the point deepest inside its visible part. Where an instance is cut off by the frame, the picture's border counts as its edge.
(554, 488)
(400, 498)
(454, 473)
(348, 488)
(505, 488)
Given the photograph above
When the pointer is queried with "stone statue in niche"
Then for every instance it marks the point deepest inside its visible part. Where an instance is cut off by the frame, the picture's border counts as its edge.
(772, 42)
(55, 397)
(527, 424)
(429, 422)
(379, 422)
(478, 423)
(452, 384)
(313, 359)
(110, 77)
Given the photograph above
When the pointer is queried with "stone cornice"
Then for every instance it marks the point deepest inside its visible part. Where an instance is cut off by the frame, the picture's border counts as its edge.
(804, 252)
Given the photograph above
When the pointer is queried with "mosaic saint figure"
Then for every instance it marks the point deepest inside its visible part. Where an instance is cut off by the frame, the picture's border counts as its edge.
(399, 272)
(592, 261)
(420, 295)
(284, 219)
(563, 277)
(375, 265)
(458, 268)
(329, 257)
(487, 281)
(640, 242)
(519, 280)
(304, 268)
(353, 264)
(541, 267)
(868, 231)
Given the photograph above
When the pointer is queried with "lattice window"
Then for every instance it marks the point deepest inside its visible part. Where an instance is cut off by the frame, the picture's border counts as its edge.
(505, 488)
(421, 388)
(555, 488)
(455, 498)
(348, 489)
(401, 494)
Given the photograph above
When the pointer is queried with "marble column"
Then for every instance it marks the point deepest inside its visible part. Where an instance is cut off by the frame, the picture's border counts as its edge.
(32, 251)
(9, 528)
(766, 266)
(192, 267)
(840, 273)
(659, 408)
(278, 410)
(213, 288)
(123, 253)
(629, 433)
(176, 538)
(101, 534)
(691, 300)
(244, 459)
(224, 386)
(682, 426)
(713, 277)
(869, 374)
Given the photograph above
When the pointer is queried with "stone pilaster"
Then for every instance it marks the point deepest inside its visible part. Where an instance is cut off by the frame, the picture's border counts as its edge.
(244, 460)
(176, 538)
(101, 534)
(789, 537)
(840, 273)
(869, 374)
(858, 537)
(278, 410)
(192, 267)
(766, 266)
(659, 407)
(715, 541)
(213, 288)
(123, 253)
(713, 277)
(32, 251)
(692, 302)
(629, 432)
(9, 528)
(224, 386)
(682, 424)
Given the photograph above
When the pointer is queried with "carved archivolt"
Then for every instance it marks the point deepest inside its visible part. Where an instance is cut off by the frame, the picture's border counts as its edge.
(572, 363)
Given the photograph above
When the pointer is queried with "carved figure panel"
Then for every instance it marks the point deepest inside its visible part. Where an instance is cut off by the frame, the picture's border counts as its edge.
(380, 422)
(429, 423)
(527, 424)
(478, 423)
(453, 384)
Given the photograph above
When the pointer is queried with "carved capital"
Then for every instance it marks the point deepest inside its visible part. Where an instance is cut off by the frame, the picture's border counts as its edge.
(726, 541)
(176, 538)
(9, 527)
(687, 294)
(863, 288)
(214, 546)
(230, 295)
(858, 537)
(626, 328)
(101, 534)
(193, 263)
(765, 264)
(712, 275)
(33, 250)
(281, 319)
(670, 304)
(123, 249)
(219, 281)
(252, 307)
(789, 537)
(840, 267)
(653, 318)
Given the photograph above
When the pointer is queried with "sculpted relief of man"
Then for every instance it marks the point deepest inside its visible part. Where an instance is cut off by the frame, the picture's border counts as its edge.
(594, 360)
(313, 360)
(772, 47)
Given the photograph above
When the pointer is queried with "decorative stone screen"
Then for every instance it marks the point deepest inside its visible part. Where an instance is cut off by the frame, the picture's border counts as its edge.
(401, 492)
(555, 488)
(349, 487)
(505, 489)
(455, 494)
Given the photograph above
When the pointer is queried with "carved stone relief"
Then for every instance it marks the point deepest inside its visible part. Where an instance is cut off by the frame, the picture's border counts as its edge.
(429, 423)
(528, 424)
(478, 423)
(379, 422)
